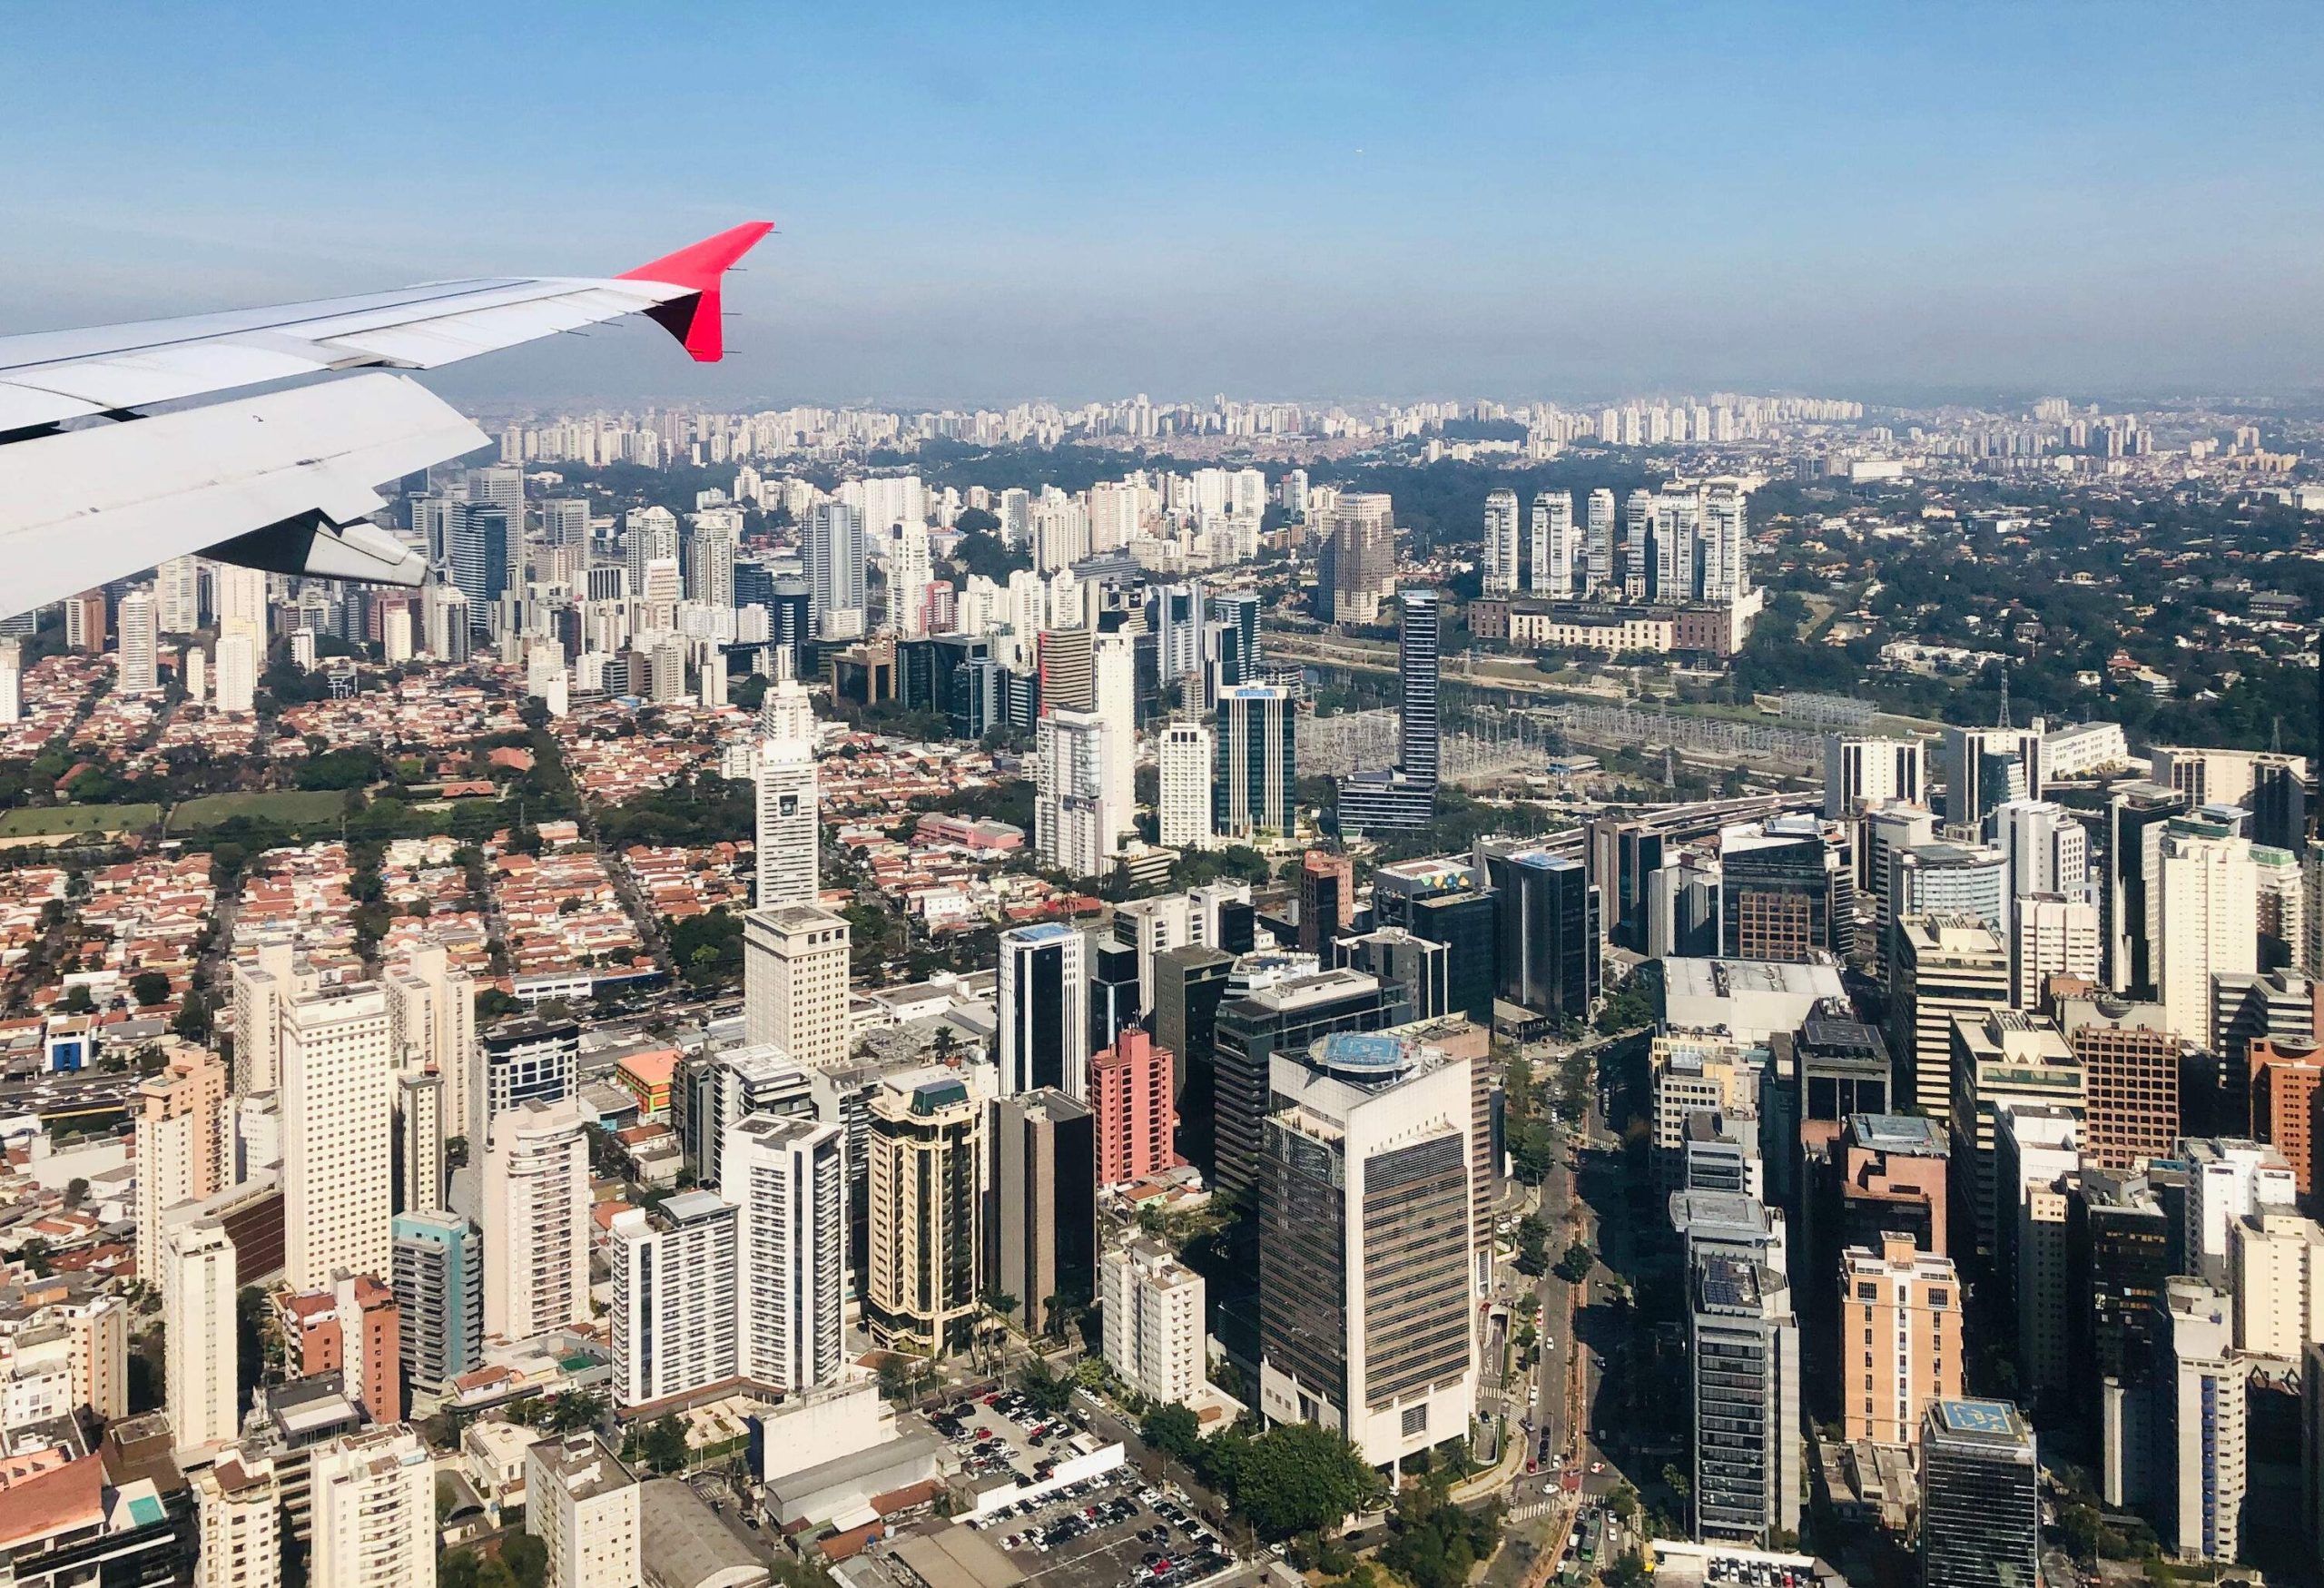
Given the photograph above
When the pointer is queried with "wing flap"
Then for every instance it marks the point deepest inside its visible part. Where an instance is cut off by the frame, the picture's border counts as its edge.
(88, 506)
(165, 374)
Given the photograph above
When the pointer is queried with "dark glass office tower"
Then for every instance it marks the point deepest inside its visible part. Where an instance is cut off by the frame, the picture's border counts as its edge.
(1188, 983)
(1417, 673)
(1463, 924)
(1981, 1502)
(1546, 927)
(2135, 807)
(1113, 993)
(1282, 1019)
(1405, 799)
(478, 550)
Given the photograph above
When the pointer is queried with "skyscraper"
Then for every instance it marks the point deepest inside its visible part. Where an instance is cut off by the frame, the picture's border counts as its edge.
(1133, 1095)
(185, 1145)
(674, 1323)
(374, 1498)
(2202, 915)
(1556, 547)
(1077, 806)
(925, 1223)
(2130, 1062)
(1548, 941)
(794, 982)
(1406, 799)
(139, 642)
(1501, 553)
(536, 1200)
(1945, 966)
(2198, 1460)
(476, 551)
(787, 1179)
(1907, 1305)
(837, 558)
(1598, 539)
(236, 674)
(790, 822)
(1254, 789)
(198, 1287)
(1364, 1194)
(1042, 1005)
(1743, 1347)
(1183, 816)
(583, 1504)
(1040, 1225)
(238, 1512)
(1247, 1033)
(337, 1109)
(438, 1267)
(1981, 1512)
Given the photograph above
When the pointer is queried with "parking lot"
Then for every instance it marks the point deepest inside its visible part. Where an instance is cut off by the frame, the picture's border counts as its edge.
(1004, 1433)
(1113, 1530)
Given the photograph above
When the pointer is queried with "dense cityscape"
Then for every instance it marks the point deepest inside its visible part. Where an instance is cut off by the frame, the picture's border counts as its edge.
(1185, 994)
(1258, 796)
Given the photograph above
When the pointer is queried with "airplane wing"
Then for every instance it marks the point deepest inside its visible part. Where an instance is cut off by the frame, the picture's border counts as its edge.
(92, 489)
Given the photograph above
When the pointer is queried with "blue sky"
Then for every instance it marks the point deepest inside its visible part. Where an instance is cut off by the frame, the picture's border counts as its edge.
(980, 202)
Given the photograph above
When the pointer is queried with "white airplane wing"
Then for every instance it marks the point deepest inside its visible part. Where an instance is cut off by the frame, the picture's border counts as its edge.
(92, 488)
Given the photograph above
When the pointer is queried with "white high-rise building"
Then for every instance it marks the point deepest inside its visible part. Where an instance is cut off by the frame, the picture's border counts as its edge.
(790, 824)
(2055, 936)
(237, 1518)
(395, 632)
(1862, 773)
(139, 642)
(338, 1108)
(1116, 683)
(177, 586)
(2199, 1460)
(1726, 542)
(909, 572)
(1373, 1132)
(710, 568)
(1152, 1312)
(240, 594)
(536, 1199)
(2048, 849)
(1076, 808)
(583, 1504)
(374, 1517)
(198, 1339)
(674, 1327)
(1183, 791)
(2202, 915)
(1501, 546)
(197, 677)
(2228, 1178)
(795, 982)
(431, 1018)
(837, 579)
(2276, 1273)
(1598, 539)
(1556, 546)
(12, 681)
(237, 673)
(787, 1178)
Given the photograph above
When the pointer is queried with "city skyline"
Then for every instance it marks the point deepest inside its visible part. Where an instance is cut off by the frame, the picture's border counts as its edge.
(1044, 203)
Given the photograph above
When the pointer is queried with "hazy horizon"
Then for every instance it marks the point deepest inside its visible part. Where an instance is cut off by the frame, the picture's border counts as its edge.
(1458, 202)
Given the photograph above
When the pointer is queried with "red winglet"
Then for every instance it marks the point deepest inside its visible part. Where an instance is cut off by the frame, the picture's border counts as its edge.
(695, 320)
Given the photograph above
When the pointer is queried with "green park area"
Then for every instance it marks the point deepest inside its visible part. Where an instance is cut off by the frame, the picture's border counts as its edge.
(65, 820)
(289, 806)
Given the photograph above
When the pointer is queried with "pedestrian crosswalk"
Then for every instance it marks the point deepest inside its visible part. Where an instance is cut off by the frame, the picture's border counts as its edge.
(1528, 1513)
